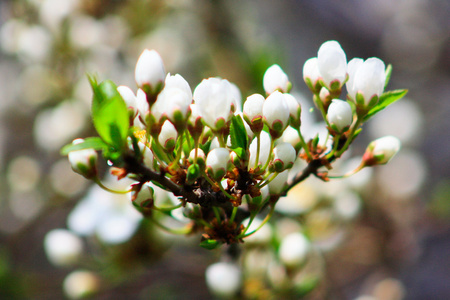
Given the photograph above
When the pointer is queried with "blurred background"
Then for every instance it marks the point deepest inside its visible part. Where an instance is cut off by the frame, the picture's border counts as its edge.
(397, 243)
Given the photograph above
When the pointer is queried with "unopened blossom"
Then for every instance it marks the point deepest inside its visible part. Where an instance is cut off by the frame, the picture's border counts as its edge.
(150, 73)
(264, 140)
(84, 161)
(275, 79)
(276, 186)
(142, 106)
(128, 96)
(366, 78)
(253, 115)
(145, 197)
(340, 115)
(236, 98)
(332, 64)
(214, 98)
(147, 155)
(62, 247)
(381, 150)
(217, 162)
(311, 74)
(293, 249)
(276, 113)
(81, 284)
(168, 136)
(223, 279)
(174, 100)
(295, 110)
(284, 156)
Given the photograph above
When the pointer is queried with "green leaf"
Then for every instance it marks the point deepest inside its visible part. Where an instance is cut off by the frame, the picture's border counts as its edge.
(209, 244)
(240, 152)
(95, 143)
(388, 75)
(386, 99)
(109, 113)
(238, 134)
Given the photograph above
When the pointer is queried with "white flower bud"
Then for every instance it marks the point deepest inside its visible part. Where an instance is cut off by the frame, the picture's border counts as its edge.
(214, 98)
(263, 151)
(62, 247)
(144, 197)
(223, 279)
(236, 98)
(381, 150)
(284, 157)
(84, 161)
(150, 72)
(293, 249)
(276, 113)
(128, 96)
(146, 154)
(217, 162)
(311, 74)
(276, 186)
(340, 115)
(168, 136)
(142, 105)
(366, 78)
(252, 112)
(275, 79)
(294, 110)
(253, 107)
(332, 63)
(81, 284)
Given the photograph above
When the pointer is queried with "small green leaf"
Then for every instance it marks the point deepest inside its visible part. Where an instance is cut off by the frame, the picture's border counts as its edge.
(238, 134)
(109, 113)
(388, 75)
(95, 143)
(385, 100)
(209, 244)
(240, 152)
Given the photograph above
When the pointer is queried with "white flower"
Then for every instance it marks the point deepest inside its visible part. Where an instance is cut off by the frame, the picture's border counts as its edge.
(332, 63)
(263, 151)
(293, 249)
(367, 78)
(253, 107)
(142, 105)
(174, 100)
(381, 150)
(311, 73)
(63, 248)
(150, 72)
(284, 156)
(83, 161)
(168, 136)
(81, 284)
(223, 279)
(294, 110)
(262, 236)
(214, 98)
(146, 154)
(340, 115)
(217, 162)
(145, 196)
(128, 96)
(275, 79)
(276, 113)
(277, 185)
(237, 98)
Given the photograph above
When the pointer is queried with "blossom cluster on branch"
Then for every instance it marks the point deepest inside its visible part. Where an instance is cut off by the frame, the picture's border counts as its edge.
(225, 161)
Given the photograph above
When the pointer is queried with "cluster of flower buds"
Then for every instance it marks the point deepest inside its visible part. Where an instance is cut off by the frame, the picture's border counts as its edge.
(227, 162)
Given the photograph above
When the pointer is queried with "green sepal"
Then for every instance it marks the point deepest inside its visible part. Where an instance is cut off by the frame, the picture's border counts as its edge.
(193, 172)
(238, 134)
(95, 143)
(109, 113)
(385, 100)
(209, 244)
